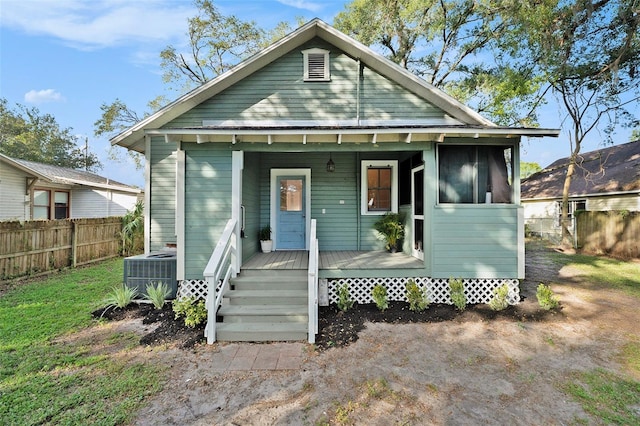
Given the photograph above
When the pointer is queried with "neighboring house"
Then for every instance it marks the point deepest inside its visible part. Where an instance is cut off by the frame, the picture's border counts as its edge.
(604, 179)
(318, 129)
(32, 191)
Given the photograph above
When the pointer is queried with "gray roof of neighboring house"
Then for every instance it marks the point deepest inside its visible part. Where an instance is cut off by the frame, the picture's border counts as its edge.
(614, 169)
(66, 176)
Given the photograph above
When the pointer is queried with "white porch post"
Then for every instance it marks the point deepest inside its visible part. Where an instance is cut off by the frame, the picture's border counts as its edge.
(237, 158)
(180, 214)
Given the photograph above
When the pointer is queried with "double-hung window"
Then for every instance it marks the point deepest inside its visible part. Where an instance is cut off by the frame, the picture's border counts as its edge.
(379, 187)
(42, 207)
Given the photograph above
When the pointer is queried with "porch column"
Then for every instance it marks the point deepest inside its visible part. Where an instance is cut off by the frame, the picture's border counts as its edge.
(237, 160)
(180, 215)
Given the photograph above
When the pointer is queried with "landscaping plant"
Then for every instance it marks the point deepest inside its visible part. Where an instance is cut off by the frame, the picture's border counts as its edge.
(193, 311)
(546, 299)
(458, 297)
(500, 298)
(158, 293)
(379, 295)
(344, 299)
(121, 296)
(417, 297)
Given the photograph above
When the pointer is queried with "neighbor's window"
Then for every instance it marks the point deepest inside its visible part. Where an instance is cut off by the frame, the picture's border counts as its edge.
(574, 206)
(316, 65)
(61, 205)
(41, 204)
(379, 187)
(475, 174)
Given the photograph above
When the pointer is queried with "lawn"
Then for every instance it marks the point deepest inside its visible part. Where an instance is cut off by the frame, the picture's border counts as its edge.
(45, 381)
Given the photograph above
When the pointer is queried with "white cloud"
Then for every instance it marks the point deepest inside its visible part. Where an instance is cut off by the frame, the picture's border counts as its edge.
(99, 23)
(303, 4)
(42, 96)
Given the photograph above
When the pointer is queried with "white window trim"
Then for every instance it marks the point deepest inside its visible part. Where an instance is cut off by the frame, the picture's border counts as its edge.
(305, 56)
(365, 164)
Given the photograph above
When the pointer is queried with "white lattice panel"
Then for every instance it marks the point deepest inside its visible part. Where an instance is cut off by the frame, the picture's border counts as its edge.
(477, 290)
(192, 288)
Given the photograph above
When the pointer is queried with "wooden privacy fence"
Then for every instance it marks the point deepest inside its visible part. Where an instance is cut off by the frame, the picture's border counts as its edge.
(34, 247)
(611, 232)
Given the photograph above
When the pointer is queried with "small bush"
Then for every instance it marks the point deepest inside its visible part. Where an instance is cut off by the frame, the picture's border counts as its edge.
(417, 297)
(546, 299)
(158, 293)
(121, 296)
(456, 287)
(344, 299)
(379, 294)
(193, 311)
(500, 298)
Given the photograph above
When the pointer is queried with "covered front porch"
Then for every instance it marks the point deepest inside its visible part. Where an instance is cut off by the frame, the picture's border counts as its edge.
(333, 260)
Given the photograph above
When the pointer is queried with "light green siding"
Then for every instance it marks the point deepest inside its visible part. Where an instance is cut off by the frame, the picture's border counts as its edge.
(278, 92)
(251, 202)
(207, 203)
(475, 241)
(162, 166)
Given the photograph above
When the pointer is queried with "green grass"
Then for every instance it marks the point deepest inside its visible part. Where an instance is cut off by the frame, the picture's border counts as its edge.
(44, 381)
(603, 271)
(612, 399)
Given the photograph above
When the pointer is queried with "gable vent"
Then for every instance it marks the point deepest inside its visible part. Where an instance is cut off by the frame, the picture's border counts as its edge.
(316, 65)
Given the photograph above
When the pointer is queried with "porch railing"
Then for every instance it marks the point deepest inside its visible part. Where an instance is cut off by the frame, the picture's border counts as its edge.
(219, 270)
(313, 283)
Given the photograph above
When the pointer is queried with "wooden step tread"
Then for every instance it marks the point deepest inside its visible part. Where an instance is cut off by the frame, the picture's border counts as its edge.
(255, 310)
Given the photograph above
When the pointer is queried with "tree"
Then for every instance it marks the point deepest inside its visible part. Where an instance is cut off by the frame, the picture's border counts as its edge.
(454, 45)
(588, 54)
(27, 134)
(528, 168)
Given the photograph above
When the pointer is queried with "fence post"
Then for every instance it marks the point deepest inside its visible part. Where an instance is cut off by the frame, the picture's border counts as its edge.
(74, 243)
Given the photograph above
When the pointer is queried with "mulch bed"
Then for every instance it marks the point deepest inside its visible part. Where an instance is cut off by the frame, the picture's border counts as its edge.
(336, 328)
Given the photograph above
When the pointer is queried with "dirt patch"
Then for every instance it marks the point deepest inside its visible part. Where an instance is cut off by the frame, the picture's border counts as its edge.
(440, 367)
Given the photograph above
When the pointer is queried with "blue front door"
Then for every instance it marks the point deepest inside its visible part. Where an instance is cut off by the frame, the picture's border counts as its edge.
(290, 213)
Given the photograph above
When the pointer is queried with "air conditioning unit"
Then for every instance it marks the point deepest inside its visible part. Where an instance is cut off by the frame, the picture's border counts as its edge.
(152, 268)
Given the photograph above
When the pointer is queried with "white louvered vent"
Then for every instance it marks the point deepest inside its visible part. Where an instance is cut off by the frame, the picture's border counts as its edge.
(316, 65)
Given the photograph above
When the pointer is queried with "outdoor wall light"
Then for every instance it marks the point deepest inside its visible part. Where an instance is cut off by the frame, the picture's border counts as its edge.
(331, 166)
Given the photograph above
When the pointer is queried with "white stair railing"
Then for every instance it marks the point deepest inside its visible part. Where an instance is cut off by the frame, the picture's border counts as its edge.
(220, 268)
(313, 283)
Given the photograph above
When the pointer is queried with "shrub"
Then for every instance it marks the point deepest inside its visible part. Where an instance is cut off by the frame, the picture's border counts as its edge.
(121, 296)
(344, 299)
(546, 299)
(417, 297)
(500, 296)
(194, 311)
(158, 293)
(379, 294)
(458, 298)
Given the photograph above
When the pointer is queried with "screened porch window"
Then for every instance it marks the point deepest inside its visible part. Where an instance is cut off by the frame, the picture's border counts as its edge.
(379, 187)
(470, 174)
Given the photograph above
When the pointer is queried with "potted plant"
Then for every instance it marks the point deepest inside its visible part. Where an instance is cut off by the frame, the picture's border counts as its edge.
(266, 243)
(391, 228)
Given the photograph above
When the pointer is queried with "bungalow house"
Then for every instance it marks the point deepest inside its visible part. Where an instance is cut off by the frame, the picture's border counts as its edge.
(317, 137)
(605, 179)
(32, 191)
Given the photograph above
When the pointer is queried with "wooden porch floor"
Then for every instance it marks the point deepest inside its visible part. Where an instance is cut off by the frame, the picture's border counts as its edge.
(333, 260)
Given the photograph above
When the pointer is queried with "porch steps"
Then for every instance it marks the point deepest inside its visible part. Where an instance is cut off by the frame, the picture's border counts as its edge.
(265, 305)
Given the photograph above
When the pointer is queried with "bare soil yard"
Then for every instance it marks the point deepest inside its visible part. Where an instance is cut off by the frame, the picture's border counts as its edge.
(472, 368)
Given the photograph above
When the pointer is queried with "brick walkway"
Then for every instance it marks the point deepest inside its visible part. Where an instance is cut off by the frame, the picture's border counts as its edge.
(263, 356)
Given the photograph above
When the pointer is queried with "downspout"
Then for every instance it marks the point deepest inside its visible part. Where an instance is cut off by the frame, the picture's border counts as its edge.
(358, 203)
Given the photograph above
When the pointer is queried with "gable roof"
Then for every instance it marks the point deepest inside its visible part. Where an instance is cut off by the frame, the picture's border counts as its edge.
(66, 176)
(615, 169)
(133, 137)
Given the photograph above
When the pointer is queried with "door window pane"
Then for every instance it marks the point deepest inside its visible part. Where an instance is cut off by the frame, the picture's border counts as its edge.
(291, 195)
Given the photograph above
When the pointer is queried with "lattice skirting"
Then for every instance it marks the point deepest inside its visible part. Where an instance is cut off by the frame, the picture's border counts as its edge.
(196, 289)
(477, 290)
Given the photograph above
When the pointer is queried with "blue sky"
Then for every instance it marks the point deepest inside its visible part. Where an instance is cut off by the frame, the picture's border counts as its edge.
(67, 57)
